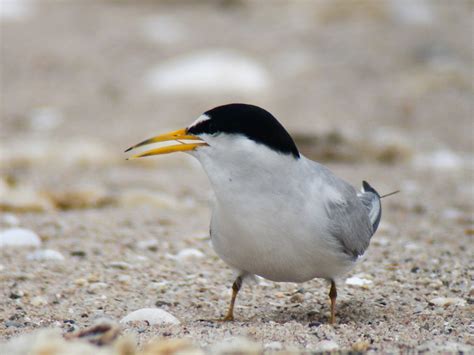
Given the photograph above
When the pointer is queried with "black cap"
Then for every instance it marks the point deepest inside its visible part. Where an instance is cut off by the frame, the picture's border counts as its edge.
(251, 121)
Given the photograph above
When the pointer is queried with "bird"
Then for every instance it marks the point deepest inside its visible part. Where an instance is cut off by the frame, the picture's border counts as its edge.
(276, 214)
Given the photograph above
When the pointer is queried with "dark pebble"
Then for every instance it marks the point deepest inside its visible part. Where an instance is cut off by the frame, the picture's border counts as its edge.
(314, 324)
(14, 324)
(78, 253)
(160, 303)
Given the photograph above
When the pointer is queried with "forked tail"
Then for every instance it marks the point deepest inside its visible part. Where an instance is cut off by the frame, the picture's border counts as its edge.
(370, 198)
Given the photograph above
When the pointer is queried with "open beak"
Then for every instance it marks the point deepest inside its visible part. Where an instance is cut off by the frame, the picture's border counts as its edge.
(178, 135)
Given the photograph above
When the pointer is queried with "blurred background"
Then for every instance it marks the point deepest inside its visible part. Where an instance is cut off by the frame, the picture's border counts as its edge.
(377, 89)
(359, 80)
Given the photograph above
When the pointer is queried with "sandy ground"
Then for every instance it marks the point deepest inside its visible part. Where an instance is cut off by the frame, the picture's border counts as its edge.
(374, 91)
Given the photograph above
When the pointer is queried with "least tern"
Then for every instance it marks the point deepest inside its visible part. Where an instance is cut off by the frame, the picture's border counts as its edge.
(276, 214)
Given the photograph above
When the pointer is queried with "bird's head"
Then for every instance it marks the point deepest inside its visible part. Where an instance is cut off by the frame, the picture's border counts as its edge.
(228, 132)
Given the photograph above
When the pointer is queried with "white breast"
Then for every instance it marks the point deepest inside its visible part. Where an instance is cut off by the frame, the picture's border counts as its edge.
(267, 219)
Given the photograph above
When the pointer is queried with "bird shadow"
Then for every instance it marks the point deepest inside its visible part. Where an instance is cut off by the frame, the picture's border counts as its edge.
(314, 314)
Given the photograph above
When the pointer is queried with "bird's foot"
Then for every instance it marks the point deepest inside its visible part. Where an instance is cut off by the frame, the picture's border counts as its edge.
(228, 318)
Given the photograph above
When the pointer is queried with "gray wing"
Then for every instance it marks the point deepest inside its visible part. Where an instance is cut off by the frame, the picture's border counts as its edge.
(349, 221)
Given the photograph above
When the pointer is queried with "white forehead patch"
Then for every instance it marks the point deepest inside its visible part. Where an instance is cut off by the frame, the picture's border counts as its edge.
(200, 119)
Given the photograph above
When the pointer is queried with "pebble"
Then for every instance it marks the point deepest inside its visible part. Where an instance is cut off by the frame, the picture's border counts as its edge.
(358, 281)
(452, 214)
(440, 160)
(45, 118)
(149, 244)
(13, 324)
(297, 298)
(411, 246)
(23, 198)
(414, 12)
(125, 279)
(97, 286)
(327, 345)
(10, 219)
(201, 72)
(152, 316)
(45, 254)
(122, 265)
(39, 301)
(448, 301)
(360, 346)
(19, 237)
(381, 241)
(189, 254)
(81, 281)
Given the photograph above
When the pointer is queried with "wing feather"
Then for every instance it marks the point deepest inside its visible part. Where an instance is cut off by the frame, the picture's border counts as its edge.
(349, 222)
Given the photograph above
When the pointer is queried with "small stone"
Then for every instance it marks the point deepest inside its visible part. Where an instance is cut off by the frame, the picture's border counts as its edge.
(16, 295)
(97, 286)
(23, 198)
(199, 72)
(327, 345)
(45, 118)
(297, 298)
(10, 220)
(102, 333)
(358, 281)
(411, 246)
(189, 254)
(381, 241)
(448, 301)
(452, 214)
(19, 237)
(13, 324)
(361, 346)
(91, 278)
(149, 244)
(122, 265)
(436, 284)
(469, 231)
(39, 301)
(125, 279)
(78, 253)
(152, 316)
(81, 282)
(45, 254)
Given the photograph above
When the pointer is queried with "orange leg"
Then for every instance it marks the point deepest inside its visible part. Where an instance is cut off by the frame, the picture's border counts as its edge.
(235, 289)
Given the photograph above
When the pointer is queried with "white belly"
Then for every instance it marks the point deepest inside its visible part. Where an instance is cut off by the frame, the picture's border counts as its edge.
(276, 249)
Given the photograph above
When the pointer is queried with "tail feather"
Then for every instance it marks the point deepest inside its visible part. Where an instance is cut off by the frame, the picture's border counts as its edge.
(370, 198)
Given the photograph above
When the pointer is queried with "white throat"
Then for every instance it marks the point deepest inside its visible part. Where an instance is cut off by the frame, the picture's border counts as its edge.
(238, 166)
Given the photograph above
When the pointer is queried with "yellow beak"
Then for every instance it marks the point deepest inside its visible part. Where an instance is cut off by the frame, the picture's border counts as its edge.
(178, 135)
